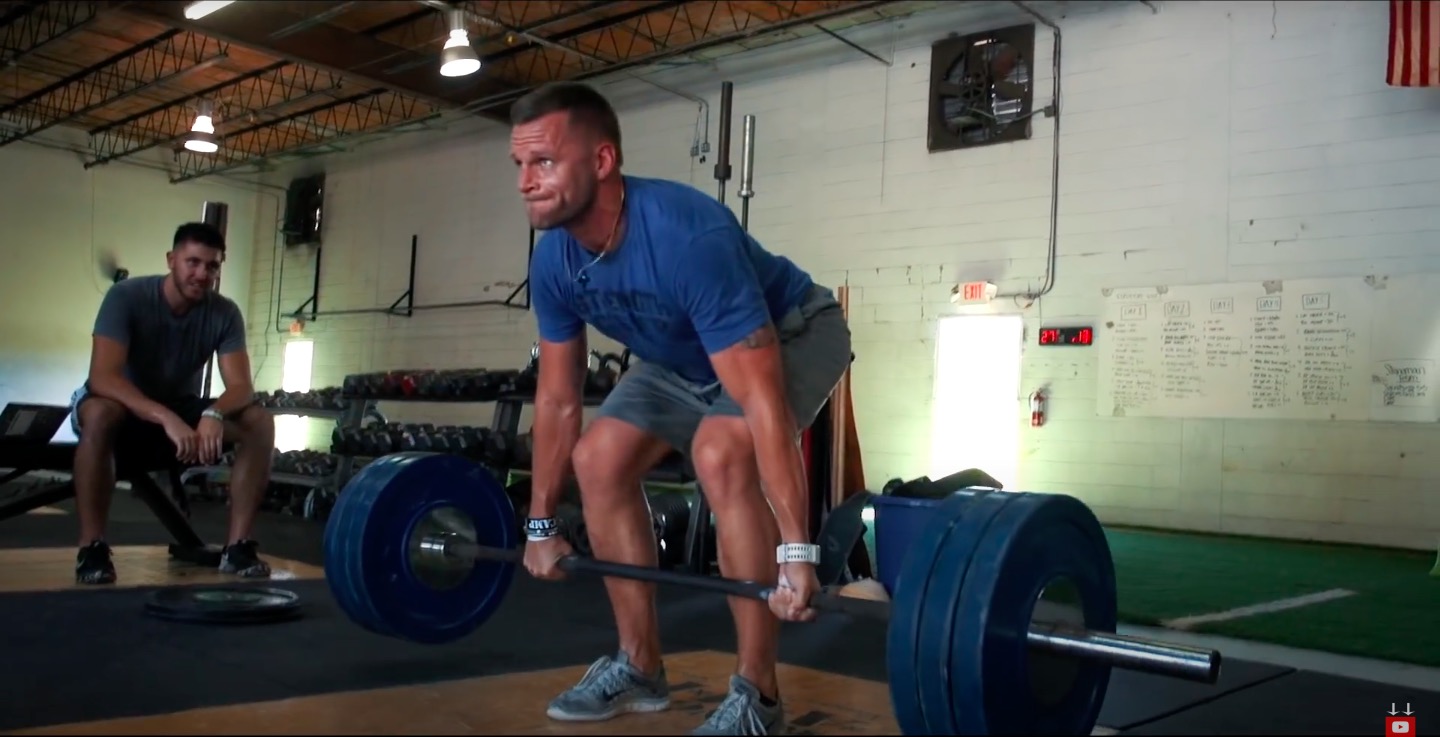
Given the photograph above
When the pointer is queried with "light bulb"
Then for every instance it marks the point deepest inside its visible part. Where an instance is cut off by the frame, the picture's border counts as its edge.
(198, 10)
(457, 58)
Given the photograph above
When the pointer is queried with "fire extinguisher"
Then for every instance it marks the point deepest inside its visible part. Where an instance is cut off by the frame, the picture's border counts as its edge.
(1037, 408)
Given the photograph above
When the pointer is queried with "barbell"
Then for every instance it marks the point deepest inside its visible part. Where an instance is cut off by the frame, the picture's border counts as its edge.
(1002, 620)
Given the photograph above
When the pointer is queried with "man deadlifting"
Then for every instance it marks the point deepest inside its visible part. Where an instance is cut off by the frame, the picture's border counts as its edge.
(152, 338)
(738, 350)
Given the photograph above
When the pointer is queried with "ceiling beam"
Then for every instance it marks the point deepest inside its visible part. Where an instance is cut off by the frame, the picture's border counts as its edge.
(30, 26)
(134, 70)
(325, 47)
(591, 27)
(505, 99)
(432, 59)
(280, 85)
(366, 113)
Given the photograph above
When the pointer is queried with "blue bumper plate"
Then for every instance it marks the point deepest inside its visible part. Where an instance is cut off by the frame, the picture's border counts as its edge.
(374, 564)
(1043, 559)
(913, 587)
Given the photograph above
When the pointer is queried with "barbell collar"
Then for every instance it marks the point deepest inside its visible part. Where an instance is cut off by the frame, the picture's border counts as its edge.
(1119, 651)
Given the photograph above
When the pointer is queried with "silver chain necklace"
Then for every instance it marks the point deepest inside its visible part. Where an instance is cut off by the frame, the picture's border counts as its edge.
(581, 277)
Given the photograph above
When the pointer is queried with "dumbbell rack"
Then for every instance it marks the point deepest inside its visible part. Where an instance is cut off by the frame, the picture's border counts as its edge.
(352, 416)
(506, 419)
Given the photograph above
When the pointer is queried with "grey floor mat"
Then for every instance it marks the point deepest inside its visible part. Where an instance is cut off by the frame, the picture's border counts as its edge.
(1300, 703)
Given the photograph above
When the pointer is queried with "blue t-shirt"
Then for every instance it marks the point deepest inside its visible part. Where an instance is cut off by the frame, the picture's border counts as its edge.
(685, 282)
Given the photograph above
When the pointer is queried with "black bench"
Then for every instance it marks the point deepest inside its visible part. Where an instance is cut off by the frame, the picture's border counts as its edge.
(30, 451)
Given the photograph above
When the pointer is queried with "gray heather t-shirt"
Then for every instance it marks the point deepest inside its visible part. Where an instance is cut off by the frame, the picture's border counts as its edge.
(167, 352)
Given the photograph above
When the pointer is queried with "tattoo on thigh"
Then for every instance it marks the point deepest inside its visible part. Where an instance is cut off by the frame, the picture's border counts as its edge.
(761, 338)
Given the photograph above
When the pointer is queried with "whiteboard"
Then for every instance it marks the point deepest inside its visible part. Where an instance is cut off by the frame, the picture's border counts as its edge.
(1263, 350)
(1405, 348)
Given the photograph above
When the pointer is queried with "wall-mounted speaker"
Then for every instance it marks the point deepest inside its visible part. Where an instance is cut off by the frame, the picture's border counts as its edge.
(216, 214)
(304, 202)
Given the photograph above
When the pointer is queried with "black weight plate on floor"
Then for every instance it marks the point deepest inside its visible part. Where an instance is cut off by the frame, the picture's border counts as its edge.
(1035, 540)
(906, 608)
(939, 618)
(223, 604)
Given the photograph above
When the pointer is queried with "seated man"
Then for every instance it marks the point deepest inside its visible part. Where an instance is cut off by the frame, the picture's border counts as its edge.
(152, 338)
(738, 351)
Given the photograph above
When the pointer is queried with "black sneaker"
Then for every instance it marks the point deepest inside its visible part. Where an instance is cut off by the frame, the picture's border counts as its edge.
(240, 559)
(93, 564)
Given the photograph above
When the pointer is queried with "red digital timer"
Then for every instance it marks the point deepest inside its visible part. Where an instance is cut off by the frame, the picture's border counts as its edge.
(1066, 336)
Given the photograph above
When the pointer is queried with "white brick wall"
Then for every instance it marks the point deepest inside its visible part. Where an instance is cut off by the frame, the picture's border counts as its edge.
(57, 221)
(1196, 142)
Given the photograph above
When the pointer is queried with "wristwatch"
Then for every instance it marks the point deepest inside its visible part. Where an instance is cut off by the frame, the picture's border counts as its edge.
(797, 553)
(213, 414)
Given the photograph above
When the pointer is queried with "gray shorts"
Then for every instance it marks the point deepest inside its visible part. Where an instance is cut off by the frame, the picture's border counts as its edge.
(815, 349)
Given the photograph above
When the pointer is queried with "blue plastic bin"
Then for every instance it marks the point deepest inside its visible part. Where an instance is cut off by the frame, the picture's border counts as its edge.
(898, 522)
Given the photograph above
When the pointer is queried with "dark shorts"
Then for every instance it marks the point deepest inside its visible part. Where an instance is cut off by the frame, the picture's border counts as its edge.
(815, 348)
(143, 433)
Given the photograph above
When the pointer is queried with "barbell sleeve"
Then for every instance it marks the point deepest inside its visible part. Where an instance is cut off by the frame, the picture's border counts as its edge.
(1130, 653)
(747, 157)
(1120, 651)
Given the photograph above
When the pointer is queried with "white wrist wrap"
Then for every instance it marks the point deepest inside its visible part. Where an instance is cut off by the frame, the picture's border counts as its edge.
(797, 553)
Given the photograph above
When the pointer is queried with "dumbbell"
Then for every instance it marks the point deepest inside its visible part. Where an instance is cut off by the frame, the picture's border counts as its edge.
(354, 441)
(444, 384)
(386, 442)
(371, 385)
(473, 440)
(670, 513)
(573, 528)
(440, 439)
(415, 440)
(525, 381)
(523, 453)
(607, 375)
(500, 448)
(488, 385)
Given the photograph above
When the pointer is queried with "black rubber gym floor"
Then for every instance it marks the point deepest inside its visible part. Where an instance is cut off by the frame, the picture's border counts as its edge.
(74, 656)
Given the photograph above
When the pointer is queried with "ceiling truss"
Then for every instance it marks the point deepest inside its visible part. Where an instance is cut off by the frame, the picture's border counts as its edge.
(287, 78)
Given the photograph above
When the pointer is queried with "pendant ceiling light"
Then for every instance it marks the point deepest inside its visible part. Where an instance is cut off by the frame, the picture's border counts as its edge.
(201, 138)
(458, 59)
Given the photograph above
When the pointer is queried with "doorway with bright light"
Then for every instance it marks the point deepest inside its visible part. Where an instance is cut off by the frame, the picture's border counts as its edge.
(292, 431)
(976, 415)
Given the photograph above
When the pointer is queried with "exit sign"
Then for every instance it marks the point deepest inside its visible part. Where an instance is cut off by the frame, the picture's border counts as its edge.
(973, 292)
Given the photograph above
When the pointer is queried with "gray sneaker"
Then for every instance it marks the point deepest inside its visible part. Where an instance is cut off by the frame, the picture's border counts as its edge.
(742, 712)
(611, 687)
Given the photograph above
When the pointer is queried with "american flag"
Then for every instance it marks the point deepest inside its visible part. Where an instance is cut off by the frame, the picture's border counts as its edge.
(1414, 44)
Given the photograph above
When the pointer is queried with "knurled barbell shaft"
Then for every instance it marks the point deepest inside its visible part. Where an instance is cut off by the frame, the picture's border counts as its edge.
(1120, 651)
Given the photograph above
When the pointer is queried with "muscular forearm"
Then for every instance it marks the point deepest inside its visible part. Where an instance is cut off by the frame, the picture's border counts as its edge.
(234, 399)
(123, 391)
(782, 469)
(557, 429)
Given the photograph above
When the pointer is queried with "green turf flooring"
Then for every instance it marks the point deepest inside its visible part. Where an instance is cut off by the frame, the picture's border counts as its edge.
(1391, 616)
